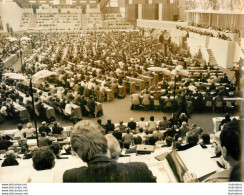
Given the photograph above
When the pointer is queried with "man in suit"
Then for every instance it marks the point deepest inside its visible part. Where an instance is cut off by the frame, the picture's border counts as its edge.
(44, 128)
(132, 124)
(57, 129)
(91, 146)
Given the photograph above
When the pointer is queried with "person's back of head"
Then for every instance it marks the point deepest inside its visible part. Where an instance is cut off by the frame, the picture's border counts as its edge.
(169, 141)
(152, 118)
(113, 146)
(109, 121)
(141, 130)
(227, 116)
(128, 130)
(142, 118)
(205, 138)
(55, 147)
(165, 118)
(192, 138)
(137, 140)
(88, 141)
(10, 154)
(43, 159)
(20, 126)
(43, 134)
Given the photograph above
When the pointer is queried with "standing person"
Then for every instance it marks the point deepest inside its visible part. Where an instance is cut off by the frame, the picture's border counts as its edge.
(92, 147)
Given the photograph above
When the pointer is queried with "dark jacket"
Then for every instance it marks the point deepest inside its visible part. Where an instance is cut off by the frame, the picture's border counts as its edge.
(132, 125)
(9, 161)
(103, 169)
(57, 130)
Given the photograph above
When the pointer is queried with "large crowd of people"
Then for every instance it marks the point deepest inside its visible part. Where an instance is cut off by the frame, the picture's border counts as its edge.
(100, 66)
(101, 146)
(87, 69)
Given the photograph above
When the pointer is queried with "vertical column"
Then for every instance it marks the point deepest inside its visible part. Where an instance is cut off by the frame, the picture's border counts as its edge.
(139, 11)
(160, 11)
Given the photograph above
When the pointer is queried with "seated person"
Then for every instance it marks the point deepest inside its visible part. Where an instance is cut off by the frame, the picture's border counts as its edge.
(118, 135)
(205, 140)
(109, 127)
(158, 134)
(92, 147)
(30, 132)
(152, 124)
(43, 160)
(142, 124)
(20, 133)
(132, 124)
(191, 140)
(163, 124)
(225, 120)
(44, 128)
(231, 152)
(127, 138)
(142, 134)
(43, 140)
(67, 149)
(113, 146)
(57, 129)
(184, 129)
(121, 127)
(30, 153)
(10, 159)
(55, 148)
(4, 143)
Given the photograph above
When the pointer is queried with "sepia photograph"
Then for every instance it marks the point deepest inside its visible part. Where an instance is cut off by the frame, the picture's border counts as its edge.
(121, 91)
